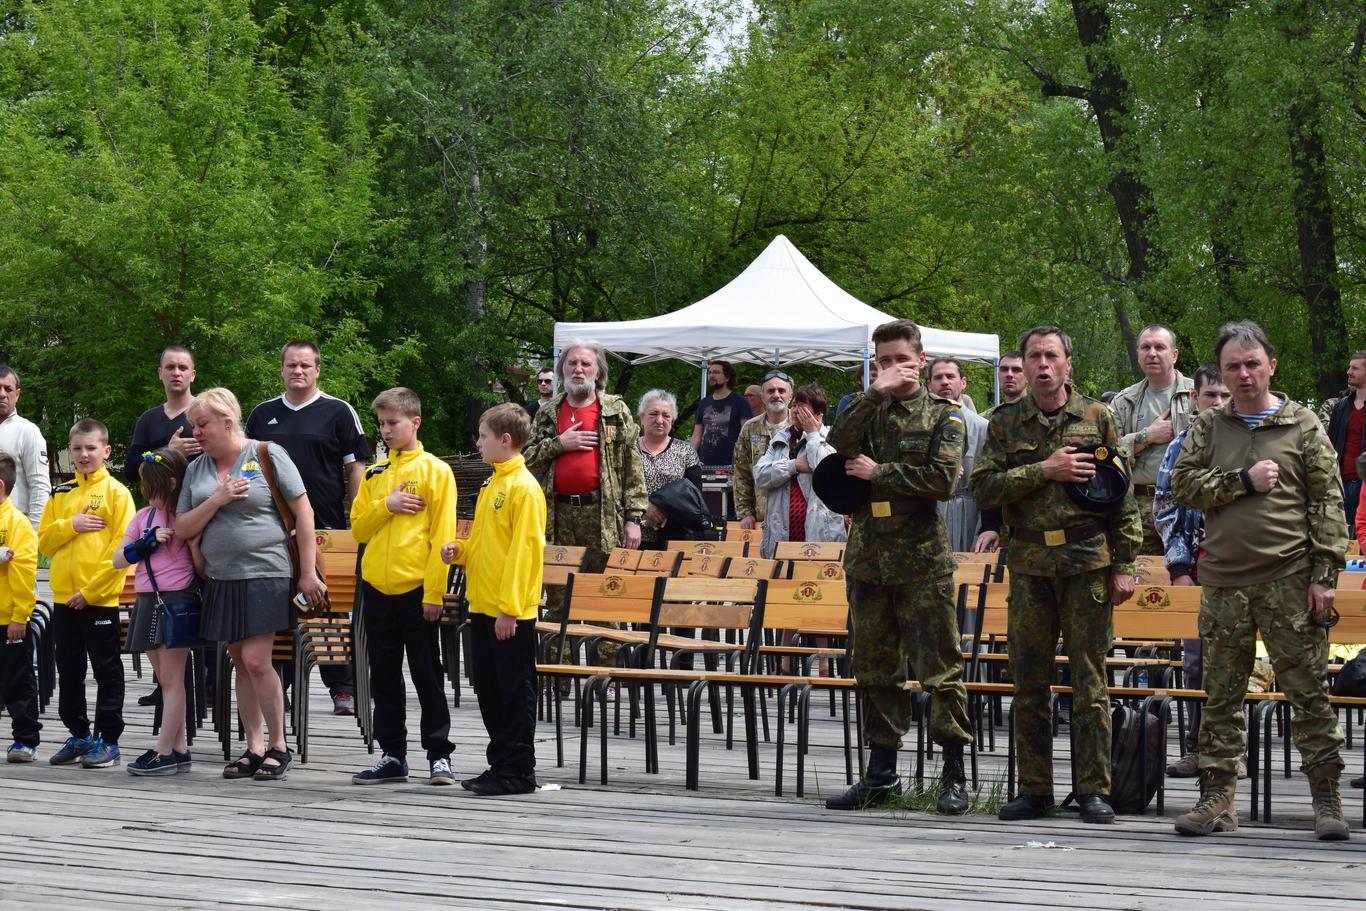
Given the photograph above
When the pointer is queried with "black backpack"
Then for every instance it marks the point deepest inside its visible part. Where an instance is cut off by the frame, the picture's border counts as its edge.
(1137, 763)
(1351, 680)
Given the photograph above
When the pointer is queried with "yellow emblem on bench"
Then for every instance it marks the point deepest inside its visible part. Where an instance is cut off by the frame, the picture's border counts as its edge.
(1154, 599)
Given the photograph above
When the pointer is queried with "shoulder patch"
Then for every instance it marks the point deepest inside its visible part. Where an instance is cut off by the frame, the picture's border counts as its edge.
(377, 469)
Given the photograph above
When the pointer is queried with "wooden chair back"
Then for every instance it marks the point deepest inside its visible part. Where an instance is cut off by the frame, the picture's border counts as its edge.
(748, 535)
(560, 560)
(611, 598)
(751, 568)
(814, 606)
(463, 528)
(704, 567)
(735, 605)
(711, 548)
(821, 551)
(1350, 579)
(830, 571)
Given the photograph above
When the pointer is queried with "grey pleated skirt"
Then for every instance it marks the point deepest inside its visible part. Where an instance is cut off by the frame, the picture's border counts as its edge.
(241, 608)
(141, 636)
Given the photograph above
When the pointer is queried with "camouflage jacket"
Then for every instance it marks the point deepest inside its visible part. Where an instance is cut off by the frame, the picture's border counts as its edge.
(918, 445)
(622, 491)
(1252, 538)
(1008, 474)
(750, 446)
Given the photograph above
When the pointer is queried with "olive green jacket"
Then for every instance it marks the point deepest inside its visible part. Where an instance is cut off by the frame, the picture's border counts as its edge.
(1008, 474)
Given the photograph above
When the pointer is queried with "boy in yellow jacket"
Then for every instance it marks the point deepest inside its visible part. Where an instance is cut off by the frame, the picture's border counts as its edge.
(503, 571)
(82, 525)
(404, 510)
(18, 572)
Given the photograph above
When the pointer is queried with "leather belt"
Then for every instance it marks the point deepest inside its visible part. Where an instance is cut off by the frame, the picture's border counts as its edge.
(577, 499)
(902, 506)
(1145, 490)
(1057, 537)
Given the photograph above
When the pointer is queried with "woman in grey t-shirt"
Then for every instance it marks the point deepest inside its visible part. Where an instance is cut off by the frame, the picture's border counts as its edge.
(227, 499)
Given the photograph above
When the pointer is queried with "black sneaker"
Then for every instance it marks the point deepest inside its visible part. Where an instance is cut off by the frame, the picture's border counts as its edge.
(386, 769)
(152, 763)
(469, 784)
(183, 760)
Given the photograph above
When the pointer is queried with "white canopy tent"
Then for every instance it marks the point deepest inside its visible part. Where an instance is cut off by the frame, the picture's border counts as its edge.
(781, 310)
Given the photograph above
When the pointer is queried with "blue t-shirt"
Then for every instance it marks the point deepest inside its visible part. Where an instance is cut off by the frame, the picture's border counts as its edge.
(720, 420)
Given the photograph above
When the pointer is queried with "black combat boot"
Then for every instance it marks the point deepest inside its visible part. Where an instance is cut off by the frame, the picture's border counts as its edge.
(953, 784)
(878, 785)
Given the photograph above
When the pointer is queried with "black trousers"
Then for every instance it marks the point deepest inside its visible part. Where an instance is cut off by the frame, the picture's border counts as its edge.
(19, 689)
(394, 625)
(503, 675)
(89, 634)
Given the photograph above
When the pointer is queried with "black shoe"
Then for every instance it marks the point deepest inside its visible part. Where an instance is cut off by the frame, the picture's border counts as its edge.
(1026, 806)
(878, 785)
(152, 698)
(1358, 782)
(469, 784)
(953, 785)
(500, 785)
(1095, 808)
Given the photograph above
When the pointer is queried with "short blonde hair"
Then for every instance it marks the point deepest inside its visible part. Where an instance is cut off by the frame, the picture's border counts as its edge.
(400, 399)
(510, 419)
(218, 402)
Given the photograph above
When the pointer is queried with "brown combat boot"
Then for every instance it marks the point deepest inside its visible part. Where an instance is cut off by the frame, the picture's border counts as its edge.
(1214, 812)
(1329, 824)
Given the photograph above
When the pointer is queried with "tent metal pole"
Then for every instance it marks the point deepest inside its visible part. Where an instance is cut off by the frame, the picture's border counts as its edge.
(706, 364)
(554, 371)
(777, 361)
(867, 356)
(996, 372)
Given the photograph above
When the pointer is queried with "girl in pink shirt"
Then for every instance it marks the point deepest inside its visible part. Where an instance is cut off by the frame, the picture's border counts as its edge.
(149, 542)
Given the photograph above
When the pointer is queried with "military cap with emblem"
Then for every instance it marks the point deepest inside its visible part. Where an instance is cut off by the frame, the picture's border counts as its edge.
(840, 492)
(1106, 488)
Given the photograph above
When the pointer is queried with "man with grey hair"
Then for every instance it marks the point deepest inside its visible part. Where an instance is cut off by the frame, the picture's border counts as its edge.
(755, 435)
(22, 439)
(584, 448)
(1150, 414)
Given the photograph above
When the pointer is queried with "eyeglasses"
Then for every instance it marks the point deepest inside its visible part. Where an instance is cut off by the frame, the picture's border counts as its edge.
(545, 382)
(777, 375)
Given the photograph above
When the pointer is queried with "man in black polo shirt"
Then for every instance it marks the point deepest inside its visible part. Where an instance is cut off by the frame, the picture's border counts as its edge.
(324, 439)
(165, 424)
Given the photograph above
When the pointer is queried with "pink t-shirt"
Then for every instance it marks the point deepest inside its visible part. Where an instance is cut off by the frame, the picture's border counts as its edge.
(171, 561)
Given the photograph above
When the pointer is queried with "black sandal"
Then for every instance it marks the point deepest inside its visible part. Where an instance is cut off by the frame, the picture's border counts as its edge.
(274, 772)
(245, 766)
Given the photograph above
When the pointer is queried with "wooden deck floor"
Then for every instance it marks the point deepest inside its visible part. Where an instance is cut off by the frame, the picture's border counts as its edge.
(104, 839)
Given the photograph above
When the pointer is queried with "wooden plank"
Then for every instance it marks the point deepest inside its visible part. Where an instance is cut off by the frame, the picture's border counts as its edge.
(698, 589)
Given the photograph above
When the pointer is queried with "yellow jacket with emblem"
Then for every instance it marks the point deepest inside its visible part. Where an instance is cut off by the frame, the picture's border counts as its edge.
(17, 576)
(404, 551)
(504, 554)
(84, 561)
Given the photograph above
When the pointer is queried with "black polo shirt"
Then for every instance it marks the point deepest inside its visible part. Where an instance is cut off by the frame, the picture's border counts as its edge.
(322, 436)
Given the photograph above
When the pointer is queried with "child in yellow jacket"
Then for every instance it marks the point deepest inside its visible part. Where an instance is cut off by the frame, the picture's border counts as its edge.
(18, 573)
(82, 526)
(404, 510)
(503, 573)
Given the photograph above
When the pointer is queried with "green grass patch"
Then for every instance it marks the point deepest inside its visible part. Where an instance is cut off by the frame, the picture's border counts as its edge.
(987, 798)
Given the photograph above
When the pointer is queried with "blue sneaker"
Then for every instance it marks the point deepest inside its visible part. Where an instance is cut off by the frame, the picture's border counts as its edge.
(386, 769)
(72, 751)
(153, 763)
(183, 760)
(101, 755)
(21, 752)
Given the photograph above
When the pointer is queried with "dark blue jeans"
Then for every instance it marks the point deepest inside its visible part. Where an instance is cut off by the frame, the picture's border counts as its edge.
(1351, 496)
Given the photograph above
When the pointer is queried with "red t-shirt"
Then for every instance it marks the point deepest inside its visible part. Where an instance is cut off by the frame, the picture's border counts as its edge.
(1356, 422)
(577, 472)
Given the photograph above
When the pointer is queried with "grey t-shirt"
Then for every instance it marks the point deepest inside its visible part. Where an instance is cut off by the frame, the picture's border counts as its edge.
(245, 539)
(1152, 406)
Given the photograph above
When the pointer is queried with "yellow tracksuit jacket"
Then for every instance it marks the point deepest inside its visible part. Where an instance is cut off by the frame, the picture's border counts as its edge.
(85, 562)
(403, 551)
(504, 554)
(17, 577)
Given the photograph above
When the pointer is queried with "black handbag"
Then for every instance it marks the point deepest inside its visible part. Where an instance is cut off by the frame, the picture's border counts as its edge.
(174, 623)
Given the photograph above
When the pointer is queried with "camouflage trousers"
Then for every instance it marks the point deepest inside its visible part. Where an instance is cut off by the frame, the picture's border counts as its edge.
(577, 526)
(1230, 619)
(1152, 542)
(893, 623)
(1079, 608)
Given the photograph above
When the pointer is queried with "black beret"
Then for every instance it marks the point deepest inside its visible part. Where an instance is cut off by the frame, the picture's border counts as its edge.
(840, 492)
(1107, 487)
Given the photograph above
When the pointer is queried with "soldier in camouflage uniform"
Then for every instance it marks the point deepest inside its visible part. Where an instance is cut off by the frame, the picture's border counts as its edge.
(1068, 567)
(607, 500)
(752, 443)
(909, 445)
(1264, 473)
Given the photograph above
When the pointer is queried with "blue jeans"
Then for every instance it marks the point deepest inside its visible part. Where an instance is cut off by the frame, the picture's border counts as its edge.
(1351, 496)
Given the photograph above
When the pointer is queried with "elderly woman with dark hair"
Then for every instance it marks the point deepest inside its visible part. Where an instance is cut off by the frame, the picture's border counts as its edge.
(664, 459)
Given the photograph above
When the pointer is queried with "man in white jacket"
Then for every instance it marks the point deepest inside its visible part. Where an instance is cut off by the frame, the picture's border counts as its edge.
(783, 475)
(22, 439)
